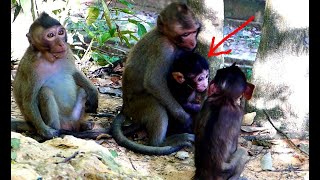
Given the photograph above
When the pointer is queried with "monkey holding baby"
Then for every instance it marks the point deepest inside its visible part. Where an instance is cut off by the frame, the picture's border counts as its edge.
(147, 100)
(217, 127)
(51, 93)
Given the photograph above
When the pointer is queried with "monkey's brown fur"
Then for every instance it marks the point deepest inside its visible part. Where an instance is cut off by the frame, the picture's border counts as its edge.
(217, 156)
(51, 93)
(146, 97)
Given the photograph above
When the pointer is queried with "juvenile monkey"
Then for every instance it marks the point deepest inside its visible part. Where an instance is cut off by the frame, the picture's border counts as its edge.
(52, 94)
(217, 156)
(147, 100)
(188, 82)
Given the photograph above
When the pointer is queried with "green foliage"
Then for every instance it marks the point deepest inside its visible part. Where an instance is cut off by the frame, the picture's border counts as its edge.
(103, 59)
(248, 73)
(126, 3)
(15, 144)
(113, 153)
(93, 13)
(103, 25)
(17, 8)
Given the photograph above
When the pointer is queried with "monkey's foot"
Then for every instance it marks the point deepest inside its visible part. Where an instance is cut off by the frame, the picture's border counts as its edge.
(87, 125)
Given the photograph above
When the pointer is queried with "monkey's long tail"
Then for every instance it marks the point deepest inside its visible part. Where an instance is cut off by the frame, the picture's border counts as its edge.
(123, 141)
(19, 125)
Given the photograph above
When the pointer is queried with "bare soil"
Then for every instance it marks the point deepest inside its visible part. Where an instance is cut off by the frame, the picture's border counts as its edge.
(288, 163)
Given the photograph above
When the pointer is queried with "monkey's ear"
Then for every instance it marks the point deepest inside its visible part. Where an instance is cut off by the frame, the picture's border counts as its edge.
(178, 76)
(29, 38)
(249, 91)
(213, 89)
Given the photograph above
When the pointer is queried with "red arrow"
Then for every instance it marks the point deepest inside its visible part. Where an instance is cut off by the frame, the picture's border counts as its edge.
(213, 48)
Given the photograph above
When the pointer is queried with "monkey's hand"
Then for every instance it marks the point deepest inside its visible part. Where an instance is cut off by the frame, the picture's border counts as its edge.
(192, 107)
(184, 118)
(92, 102)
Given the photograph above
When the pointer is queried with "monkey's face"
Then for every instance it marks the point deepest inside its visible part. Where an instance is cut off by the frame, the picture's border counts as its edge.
(55, 39)
(51, 40)
(201, 81)
(186, 38)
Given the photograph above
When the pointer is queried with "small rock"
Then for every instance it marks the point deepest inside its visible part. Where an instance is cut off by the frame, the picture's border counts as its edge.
(266, 162)
(248, 118)
(182, 155)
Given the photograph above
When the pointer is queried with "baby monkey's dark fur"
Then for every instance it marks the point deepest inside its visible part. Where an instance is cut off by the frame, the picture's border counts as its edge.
(217, 156)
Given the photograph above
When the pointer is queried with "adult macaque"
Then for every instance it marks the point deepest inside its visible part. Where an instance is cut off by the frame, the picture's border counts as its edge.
(147, 100)
(52, 94)
(217, 128)
(188, 82)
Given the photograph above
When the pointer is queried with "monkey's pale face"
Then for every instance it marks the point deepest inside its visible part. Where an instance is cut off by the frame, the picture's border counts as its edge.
(202, 81)
(55, 38)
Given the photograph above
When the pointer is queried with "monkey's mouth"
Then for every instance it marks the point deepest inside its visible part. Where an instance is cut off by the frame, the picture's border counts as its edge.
(190, 48)
(59, 53)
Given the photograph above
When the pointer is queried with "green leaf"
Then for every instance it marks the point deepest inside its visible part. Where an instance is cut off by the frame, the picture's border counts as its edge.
(112, 31)
(15, 143)
(249, 74)
(126, 11)
(95, 56)
(57, 11)
(106, 14)
(113, 153)
(98, 57)
(110, 59)
(16, 12)
(26, 5)
(89, 32)
(127, 32)
(124, 2)
(126, 40)
(133, 21)
(13, 155)
(134, 37)
(141, 30)
(103, 59)
(105, 37)
(93, 14)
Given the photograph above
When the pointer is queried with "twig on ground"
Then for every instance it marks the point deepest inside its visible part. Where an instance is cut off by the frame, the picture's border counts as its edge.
(69, 158)
(282, 133)
(132, 164)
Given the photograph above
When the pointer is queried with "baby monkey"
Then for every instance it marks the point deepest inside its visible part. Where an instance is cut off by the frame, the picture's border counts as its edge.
(217, 127)
(188, 81)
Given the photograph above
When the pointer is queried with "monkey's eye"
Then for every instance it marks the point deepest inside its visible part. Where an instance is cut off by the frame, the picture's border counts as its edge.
(50, 35)
(200, 79)
(61, 32)
(185, 34)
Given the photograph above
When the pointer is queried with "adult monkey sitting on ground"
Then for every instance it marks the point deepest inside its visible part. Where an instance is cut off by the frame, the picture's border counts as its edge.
(51, 93)
(146, 97)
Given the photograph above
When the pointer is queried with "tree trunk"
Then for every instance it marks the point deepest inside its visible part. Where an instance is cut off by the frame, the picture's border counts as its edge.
(281, 69)
(211, 16)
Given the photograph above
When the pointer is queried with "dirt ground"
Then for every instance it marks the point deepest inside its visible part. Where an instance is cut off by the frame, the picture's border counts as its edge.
(287, 162)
